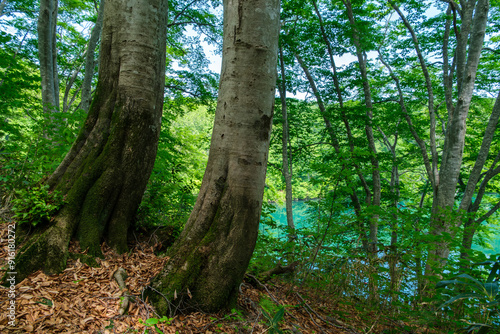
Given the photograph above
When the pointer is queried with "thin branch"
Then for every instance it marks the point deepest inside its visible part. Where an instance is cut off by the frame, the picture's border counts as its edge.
(488, 214)
(428, 83)
(420, 142)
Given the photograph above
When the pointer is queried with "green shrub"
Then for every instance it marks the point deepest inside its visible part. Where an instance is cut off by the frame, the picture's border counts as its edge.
(486, 296)
(36, 205)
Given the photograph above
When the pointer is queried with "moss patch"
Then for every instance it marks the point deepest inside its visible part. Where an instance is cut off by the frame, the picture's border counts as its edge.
(84, 258)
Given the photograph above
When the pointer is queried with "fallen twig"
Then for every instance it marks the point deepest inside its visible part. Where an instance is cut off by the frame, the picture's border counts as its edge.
(337, 323)
(279, 269)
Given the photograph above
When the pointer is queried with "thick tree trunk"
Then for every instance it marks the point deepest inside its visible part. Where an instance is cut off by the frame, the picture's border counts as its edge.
(47, 54)
(104, 175)
(211, 255)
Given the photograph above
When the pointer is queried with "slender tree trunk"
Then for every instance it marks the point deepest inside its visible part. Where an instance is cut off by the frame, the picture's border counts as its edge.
(444, 181)
(210, 257)
(104, 175)
(434, 177)
(47, 54)
(90, 62)
(286, 170)
(393, 257)
(67, 102)
(441, 222)
(3, 3)
(89, 65)
(336, 145)
(476, 172)
(377, 188)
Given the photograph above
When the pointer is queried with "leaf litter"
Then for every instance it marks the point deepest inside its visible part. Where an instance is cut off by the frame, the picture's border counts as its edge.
(84, 299)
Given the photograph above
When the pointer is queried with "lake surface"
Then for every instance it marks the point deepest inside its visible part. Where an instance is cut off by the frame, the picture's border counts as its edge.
(303, 217)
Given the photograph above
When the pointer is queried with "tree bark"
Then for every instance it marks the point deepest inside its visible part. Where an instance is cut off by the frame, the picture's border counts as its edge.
(3, 3)
(47, 54)
(90, 62)
(212, 253)
(377, 188)
(104, 175)
(286, 168)
(442, 205)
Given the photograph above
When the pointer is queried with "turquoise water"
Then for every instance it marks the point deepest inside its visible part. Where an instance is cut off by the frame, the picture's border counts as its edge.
(303, 217)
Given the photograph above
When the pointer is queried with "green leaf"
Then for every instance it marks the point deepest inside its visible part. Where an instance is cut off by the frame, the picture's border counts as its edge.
(279, 315)
(448, 282)
(495, 272)
(493, 303)
(462, 296)
(267, 315)
(491, 290)
(151, 322)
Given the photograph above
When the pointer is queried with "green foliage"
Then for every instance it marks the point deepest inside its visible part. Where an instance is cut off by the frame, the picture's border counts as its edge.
(273, 314)
(485, 296)
(33, 146)
(153, 322)
(178, 170)
(36, 204)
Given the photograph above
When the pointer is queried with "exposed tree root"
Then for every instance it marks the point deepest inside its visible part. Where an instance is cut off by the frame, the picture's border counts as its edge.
(120, 276)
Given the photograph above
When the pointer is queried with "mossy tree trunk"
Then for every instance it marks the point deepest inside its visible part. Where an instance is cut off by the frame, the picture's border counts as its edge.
(212, 253)
(104, 175)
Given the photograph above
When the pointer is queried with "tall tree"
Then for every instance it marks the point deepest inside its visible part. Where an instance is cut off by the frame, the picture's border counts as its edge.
(469, 44)
(210, 257)
(104, 175)
(286, 168)
(90, 58)
(47, 54)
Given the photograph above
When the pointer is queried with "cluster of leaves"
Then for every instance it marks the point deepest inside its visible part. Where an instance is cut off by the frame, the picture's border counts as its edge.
(36, 204)
(153, 322)
(178, 170)
(273, 315)
(483, 297)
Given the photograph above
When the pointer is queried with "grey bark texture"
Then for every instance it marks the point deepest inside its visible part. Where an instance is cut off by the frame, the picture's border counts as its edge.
(212, 253)
(104, 175)
(286, 165)
(90, 61)
(47, 54)
(442, 206)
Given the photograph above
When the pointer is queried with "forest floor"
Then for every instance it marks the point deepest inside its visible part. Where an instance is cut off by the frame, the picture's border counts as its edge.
(84, 299)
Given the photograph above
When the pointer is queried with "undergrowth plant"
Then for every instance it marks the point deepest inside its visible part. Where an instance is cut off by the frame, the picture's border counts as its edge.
(153, 322)
(273, 314)
(35, 205)
(485, 297)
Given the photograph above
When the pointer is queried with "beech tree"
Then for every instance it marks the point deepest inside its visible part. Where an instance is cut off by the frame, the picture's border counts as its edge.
(445, 179)
(210, 257)
(104, 175)
(47, 54)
